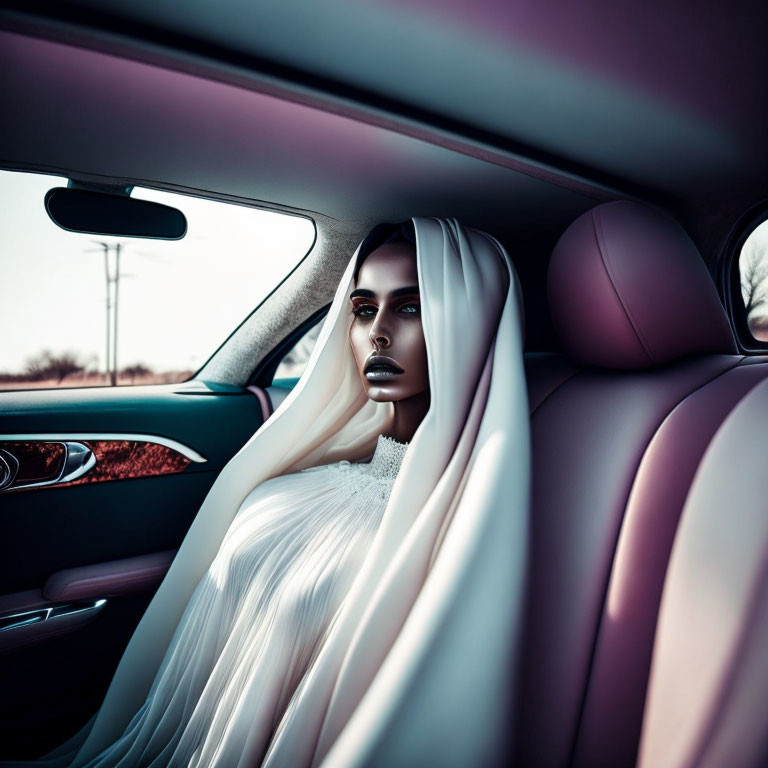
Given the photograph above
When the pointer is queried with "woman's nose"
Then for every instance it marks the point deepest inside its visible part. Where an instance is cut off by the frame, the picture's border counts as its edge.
(379, 336)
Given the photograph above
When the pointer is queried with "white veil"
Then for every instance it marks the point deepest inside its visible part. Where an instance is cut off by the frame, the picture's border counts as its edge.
(419, 666)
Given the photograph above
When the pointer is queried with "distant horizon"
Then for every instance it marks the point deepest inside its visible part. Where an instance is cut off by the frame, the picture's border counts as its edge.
(96, 380)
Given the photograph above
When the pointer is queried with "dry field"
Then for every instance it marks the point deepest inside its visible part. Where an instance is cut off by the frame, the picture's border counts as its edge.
(96, 380)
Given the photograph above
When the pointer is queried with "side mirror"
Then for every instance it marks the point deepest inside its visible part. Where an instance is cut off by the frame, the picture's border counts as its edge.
(102, 213)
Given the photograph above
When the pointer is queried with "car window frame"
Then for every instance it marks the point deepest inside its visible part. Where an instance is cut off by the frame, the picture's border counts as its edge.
(730, 277)
(218, 197)
(264, 373)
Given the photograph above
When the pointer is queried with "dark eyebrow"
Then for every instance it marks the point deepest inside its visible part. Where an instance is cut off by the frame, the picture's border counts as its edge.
(365, 293)
(407, 291)
(361, 292)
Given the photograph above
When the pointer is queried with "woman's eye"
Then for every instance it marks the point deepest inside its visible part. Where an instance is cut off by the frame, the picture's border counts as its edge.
(410, 308)
(364, 310)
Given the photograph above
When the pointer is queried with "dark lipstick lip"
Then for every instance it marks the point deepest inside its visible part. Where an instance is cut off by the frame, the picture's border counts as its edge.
(382, 361)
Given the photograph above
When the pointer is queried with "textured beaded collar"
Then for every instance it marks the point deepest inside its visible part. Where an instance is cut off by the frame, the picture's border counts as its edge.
(386, 458)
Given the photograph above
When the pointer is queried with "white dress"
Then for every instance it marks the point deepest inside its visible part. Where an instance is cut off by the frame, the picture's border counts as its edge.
(256, 619)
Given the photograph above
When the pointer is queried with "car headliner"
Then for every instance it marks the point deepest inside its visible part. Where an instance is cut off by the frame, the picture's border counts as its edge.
(512, 119)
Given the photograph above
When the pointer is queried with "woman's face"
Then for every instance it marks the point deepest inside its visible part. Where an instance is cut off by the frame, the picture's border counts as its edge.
(386, 335)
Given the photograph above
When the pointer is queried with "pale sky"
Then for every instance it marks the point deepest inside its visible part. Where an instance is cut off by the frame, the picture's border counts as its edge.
(178, 300)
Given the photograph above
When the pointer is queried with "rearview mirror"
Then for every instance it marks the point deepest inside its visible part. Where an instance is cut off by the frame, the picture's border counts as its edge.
(101, 213)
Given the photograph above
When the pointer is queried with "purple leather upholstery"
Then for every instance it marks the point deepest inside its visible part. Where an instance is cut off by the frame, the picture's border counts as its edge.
(588, 439)
(544, 373)
(628, 289)
(613, 709)
(614, 455)
(707, 693)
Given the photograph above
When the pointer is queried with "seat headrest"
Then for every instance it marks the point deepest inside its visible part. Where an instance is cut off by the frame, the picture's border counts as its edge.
(627, 288)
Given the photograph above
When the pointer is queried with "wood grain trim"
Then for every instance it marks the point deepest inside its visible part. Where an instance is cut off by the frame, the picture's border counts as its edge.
(115, 460)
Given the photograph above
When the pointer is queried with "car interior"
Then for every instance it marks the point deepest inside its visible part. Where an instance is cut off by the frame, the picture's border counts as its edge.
(616, 150)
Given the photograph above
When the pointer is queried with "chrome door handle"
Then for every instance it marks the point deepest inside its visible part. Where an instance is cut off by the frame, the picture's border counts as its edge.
(9, 467)
(36, 616)
(78, 459)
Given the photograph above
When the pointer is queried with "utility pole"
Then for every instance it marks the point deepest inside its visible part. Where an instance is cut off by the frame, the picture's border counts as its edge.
(104, 247)
(111, 364)
(117, 293)
(111, 341)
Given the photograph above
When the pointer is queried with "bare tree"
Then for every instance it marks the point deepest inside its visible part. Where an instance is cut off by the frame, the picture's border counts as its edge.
(137, 369)
(753, 267)
(48, 365)
(36, 368)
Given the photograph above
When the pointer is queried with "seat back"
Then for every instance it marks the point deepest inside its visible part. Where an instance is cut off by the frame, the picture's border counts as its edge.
(619, 427)
(709, 675)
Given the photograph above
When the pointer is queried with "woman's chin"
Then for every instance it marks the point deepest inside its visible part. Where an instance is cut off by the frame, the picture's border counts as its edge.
(383, 393)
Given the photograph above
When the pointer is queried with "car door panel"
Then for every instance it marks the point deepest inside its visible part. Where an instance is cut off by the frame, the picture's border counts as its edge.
(66, 547)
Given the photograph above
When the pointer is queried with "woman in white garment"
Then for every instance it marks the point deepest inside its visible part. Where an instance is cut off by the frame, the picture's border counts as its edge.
(350, 590)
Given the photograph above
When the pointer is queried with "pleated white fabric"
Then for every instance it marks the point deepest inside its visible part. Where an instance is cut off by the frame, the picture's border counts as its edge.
(256, 619)
(418, 665)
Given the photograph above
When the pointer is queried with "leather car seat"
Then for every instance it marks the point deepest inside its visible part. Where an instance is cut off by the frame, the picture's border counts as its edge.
(619, 426)
(709, 675)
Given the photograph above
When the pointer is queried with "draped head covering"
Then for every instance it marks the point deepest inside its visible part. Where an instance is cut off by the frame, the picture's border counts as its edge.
(419, 663)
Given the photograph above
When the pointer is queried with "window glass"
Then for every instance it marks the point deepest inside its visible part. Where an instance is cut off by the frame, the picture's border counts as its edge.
(293, 364)
(753, 269)
(68, 320)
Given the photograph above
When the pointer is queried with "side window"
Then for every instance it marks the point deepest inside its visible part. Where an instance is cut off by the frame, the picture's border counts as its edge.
(753, 271)
(93, 310)
(293, 364)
